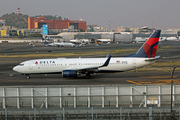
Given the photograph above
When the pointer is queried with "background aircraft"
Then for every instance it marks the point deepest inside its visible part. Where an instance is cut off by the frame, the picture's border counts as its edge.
(80, 42)
(162, 39)
(104, 40)
(140, 40)
(57, 44)
(171, 38)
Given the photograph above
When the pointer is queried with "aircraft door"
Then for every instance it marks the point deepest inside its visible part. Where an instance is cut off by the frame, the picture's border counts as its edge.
(134, 63)
(30, 65)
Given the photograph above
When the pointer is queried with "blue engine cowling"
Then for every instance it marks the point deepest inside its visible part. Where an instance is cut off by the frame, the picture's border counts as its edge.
(69, 73)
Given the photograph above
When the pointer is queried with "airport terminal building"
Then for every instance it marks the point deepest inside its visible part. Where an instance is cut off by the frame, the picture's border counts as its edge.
(37, 22)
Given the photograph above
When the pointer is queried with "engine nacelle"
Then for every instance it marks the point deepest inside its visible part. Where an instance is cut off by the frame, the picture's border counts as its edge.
(69, 73)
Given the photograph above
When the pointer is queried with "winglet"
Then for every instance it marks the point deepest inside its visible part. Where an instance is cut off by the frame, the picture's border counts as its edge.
(44, 41)
(47, 38)
(108, 55)
(107, 61)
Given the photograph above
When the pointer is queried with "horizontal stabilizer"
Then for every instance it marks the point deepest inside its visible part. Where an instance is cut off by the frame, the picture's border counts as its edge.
(152, 59)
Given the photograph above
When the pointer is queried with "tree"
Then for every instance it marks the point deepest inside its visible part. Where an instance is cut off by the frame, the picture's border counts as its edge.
(54, 33)
(81, 30)
(36, 35)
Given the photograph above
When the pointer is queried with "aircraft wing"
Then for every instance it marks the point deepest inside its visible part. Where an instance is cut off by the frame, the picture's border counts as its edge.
(94, 68)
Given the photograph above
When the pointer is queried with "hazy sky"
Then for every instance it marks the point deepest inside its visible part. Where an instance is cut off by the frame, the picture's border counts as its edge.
(160, 14)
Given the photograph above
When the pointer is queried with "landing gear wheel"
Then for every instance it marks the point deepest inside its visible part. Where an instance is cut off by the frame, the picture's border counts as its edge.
(88, 75)
(28, 77)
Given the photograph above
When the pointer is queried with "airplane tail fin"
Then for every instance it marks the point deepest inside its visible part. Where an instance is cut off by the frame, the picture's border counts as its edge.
(148, 49)
(44, 41)
(47, 38)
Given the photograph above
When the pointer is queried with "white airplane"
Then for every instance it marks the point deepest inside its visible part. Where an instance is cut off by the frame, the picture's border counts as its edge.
(104, 40)
(162, 39)
(171, 38)
(140, 40)
(75, 41)
(57, 44)
(84, 40)
(79, 42)
(74, 67)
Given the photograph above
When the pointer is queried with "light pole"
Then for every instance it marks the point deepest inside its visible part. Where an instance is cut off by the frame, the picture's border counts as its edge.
(172, 73)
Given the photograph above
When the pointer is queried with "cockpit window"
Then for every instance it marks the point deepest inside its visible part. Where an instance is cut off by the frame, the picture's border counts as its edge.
(21, 64)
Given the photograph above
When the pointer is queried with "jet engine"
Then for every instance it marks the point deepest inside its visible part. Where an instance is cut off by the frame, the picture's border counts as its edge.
(69, 73)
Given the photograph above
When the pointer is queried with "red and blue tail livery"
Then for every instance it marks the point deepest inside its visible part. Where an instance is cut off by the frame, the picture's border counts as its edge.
(148, 50)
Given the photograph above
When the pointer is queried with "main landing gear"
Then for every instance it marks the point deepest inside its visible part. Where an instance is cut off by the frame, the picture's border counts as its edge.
(88, 75)
(28, 77)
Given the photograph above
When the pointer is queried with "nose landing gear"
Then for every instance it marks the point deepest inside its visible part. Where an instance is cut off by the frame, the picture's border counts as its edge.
(27, 76)
(88, 75)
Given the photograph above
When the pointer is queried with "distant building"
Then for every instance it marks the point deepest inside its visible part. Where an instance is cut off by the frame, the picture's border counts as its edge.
(37, 22)
(27, 32)
(171, 31)
(90, 28)
(5, 28)
(144, 29)
(124, 29)
(96, 28)
(100, 29)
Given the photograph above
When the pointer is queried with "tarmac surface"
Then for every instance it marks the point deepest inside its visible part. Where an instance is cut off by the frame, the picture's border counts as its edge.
(169, 52)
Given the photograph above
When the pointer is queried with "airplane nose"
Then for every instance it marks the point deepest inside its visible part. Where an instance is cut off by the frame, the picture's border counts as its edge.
(16, 68)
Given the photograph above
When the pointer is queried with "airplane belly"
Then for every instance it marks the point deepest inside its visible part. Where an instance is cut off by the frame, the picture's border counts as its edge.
(49, 69)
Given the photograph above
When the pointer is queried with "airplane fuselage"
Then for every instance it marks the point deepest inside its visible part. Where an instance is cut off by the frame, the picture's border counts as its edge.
(61, 44)
(116, 64)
